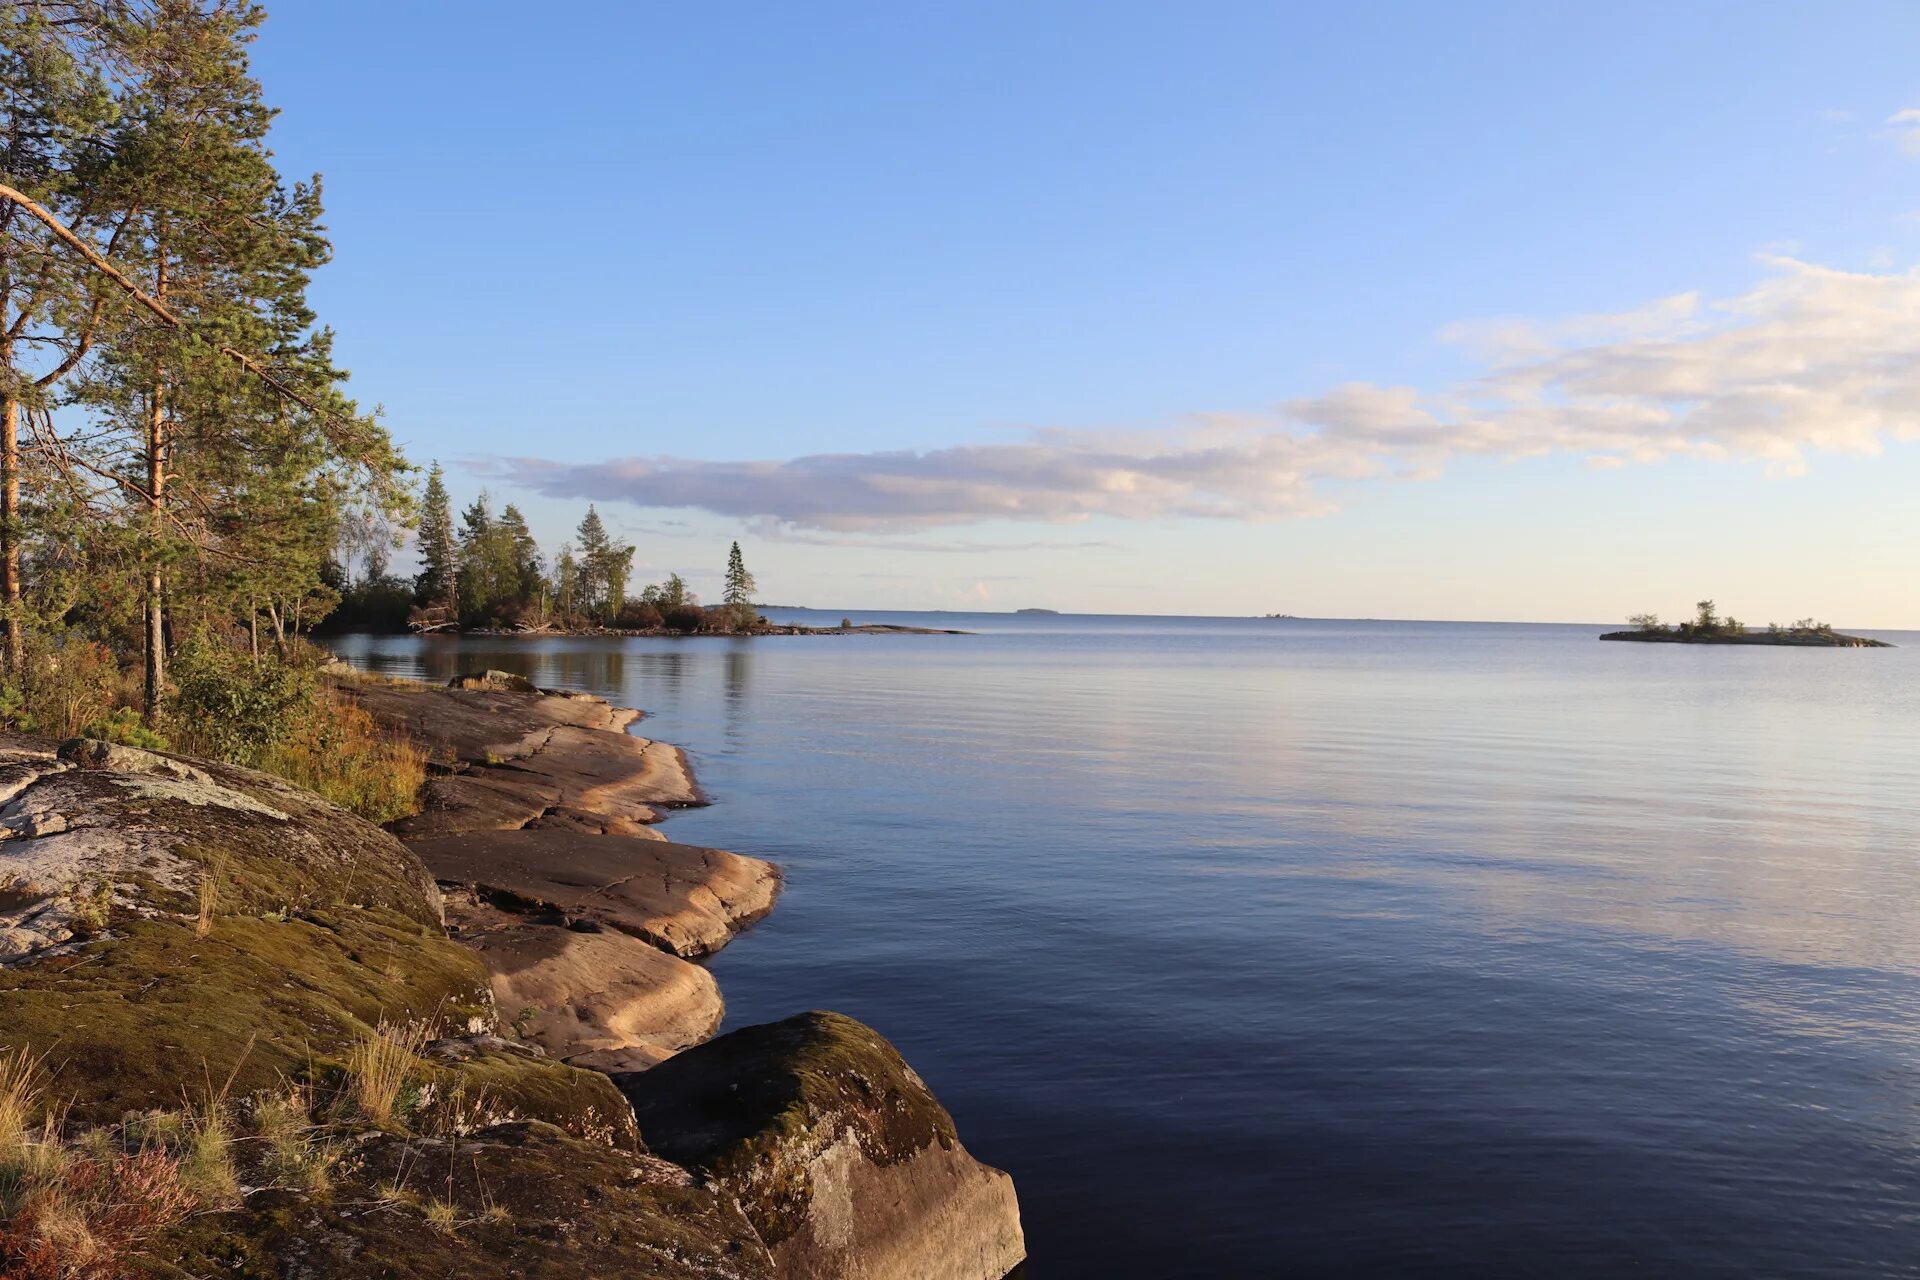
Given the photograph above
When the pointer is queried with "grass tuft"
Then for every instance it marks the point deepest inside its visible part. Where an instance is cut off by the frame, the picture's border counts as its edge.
(380, 1067)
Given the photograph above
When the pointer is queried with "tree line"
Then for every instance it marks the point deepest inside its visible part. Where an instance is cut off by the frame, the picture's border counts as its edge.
(485, 570)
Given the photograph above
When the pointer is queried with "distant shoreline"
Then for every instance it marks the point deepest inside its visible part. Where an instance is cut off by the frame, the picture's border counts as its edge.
(668, 633)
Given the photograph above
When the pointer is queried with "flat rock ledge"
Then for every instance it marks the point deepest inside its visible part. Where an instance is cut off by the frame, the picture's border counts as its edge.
(681, 898)
(836, 1152)
(508, 760)
(593, 998)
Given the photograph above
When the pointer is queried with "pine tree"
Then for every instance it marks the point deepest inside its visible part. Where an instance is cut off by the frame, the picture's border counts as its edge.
(437, 583)
(740, 585)
(230, 411)
(566, 579)
(52, 105)
(530, 577)
(593, 541)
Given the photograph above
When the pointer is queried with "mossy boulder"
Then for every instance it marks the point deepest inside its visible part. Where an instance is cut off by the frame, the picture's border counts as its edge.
(519, 1200)
(837, 1151)
(176, 924)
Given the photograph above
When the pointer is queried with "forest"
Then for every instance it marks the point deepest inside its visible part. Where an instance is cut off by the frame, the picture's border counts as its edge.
(485, 571)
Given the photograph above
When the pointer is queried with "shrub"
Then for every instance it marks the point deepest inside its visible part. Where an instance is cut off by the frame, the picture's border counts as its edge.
(276, 716)
(227, 707)
(337, 750)
(685, 618)
(65, 684)
(637, 615)
(81, 1210)
(732, 617)
(123, 725)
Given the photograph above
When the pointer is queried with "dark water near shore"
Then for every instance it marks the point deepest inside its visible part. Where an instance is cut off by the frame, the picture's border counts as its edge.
(1315, 948)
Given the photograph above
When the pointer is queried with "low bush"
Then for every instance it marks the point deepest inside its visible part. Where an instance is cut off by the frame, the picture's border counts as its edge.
(685, 618)
(277, 716)
(338, 751)
(227, 706)
(637, 615)
(65, 684)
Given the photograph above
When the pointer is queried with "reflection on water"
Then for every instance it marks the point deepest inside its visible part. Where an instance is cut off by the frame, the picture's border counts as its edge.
(1293, 948)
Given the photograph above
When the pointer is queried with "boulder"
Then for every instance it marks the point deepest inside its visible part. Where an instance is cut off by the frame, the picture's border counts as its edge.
(172, 921)
(679, 897)
(836, 1152)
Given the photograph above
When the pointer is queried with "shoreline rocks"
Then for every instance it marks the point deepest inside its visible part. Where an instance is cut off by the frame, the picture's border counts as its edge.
(176, 923)
(835, 1150)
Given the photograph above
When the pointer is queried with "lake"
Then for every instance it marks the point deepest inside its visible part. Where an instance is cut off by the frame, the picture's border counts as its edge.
(1260, 948)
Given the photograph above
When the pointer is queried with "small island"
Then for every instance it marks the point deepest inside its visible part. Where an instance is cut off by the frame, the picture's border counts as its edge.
(1048, 613)
(1707, 627)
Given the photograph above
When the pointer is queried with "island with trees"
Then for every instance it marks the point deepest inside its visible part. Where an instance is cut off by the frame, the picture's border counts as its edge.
(1708, 627)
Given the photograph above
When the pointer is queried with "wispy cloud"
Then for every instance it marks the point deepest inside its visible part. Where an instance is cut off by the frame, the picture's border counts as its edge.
(1810, 359)
(1904, 127)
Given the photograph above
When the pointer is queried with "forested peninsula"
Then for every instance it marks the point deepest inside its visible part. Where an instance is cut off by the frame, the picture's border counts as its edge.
(304, 972)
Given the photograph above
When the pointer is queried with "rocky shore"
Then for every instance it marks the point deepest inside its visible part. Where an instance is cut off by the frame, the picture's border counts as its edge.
(170, 927)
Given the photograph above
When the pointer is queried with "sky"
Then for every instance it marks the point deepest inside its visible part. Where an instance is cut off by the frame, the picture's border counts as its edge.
(1474, 310)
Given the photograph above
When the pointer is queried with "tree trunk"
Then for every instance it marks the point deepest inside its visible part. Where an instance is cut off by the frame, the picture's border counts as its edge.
(156, 496)
(253, 633)
(10, 519)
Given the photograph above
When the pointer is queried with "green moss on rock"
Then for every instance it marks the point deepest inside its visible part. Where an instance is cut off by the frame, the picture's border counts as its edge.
(752, 1109)
(524, 1200)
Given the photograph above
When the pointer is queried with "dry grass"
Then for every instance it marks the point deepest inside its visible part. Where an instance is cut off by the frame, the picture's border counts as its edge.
(341, 752)
(79, 1210)
(22, 1085)
(206, 1157)
(209, 894)
(442, 1216)
(295, 1152)
(380, 1066)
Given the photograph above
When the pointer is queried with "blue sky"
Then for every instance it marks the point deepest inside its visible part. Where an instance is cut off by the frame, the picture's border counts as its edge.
(1030, 246)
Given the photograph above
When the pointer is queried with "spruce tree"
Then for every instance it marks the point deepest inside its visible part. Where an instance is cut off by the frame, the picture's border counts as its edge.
(740, 585)
(436, 585)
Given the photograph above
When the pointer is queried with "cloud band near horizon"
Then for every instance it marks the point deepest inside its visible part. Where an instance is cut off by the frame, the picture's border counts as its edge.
(1809, 360)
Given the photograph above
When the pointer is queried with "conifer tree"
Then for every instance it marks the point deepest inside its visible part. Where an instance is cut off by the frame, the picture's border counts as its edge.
(605, 565)
(52, 106)
(530, 578)
(435, 587)
(566, 579)
(231, 409)
(740, 585)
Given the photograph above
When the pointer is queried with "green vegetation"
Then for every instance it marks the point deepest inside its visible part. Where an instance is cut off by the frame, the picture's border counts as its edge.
(1708, 627)
(1706, 623)
(178, 459)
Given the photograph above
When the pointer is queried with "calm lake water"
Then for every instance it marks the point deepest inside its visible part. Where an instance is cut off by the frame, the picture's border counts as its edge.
(1329, 948)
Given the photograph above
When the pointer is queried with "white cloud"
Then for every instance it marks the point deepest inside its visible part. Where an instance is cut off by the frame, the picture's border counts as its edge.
(1809, 360)
(1904, 126)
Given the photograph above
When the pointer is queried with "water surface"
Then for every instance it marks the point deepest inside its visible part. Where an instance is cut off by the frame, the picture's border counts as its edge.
(1259, 948)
